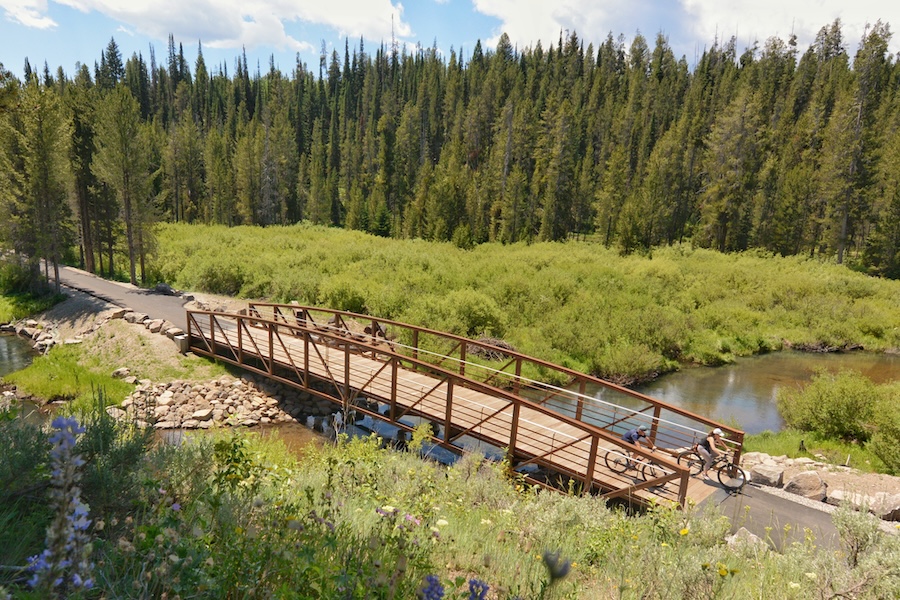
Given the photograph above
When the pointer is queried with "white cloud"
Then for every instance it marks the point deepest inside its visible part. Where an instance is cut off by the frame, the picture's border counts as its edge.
(31, 13)
(689, 24)
(233, 23)
(762, 19)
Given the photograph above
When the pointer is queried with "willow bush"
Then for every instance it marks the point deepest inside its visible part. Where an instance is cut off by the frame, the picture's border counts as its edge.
(577, 303)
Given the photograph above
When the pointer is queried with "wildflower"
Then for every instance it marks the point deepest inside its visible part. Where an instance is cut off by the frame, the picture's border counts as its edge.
(557, 569)
(684, 531)
(176, 507)
(794, 585)
(478, 589)
(65, 562)
(434, 590)
(486, 522)
(811, 576)
(442, 522)
(412, 519)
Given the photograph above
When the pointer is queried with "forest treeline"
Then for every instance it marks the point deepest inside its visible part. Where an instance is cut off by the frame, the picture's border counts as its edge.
(790, 151)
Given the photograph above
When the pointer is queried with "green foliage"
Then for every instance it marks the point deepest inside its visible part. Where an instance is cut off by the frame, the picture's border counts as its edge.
(62, 375)
(575, 303)
(356, 520)
(885, 442)
(839, 406)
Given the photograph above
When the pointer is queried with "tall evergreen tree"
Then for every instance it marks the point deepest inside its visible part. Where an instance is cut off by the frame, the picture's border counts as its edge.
(122, 162)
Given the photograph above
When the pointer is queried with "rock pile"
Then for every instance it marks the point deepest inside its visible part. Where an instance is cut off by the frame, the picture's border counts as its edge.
(769, 471)
(46, 334)
(226, 401)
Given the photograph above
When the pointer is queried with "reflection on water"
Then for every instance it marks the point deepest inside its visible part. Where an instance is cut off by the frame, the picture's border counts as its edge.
(15, 354)
(744, 393)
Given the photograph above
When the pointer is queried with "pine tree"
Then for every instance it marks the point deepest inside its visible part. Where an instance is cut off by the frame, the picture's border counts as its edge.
(122, 161)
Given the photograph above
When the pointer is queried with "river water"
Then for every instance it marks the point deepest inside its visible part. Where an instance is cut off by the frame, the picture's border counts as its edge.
(744, 393)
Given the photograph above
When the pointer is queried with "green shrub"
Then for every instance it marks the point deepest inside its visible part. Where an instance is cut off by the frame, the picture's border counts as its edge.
(885, 443)
(839, 405)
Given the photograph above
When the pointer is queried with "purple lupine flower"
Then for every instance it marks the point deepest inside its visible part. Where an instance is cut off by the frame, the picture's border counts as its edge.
(65, 562)
(478, 589)
(558, 569)
(434, 590)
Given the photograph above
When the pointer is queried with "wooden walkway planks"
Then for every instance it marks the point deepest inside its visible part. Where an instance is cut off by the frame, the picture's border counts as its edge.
(539, 435)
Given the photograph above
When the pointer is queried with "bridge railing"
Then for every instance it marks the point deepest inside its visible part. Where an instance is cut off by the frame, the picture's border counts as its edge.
(611, 407)
(265, 340)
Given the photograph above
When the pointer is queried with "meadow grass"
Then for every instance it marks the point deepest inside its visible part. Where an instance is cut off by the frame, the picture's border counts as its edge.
(18, 306)
(575, 303)
(63, 375)
(234, 514)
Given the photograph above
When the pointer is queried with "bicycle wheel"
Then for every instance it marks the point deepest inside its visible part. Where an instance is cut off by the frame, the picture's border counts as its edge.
(732, 477)
(691, 460)
(651, 471)
(616, 461)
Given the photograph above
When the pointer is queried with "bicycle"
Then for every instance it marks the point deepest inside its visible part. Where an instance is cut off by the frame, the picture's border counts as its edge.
(731, 476)
(619, 462)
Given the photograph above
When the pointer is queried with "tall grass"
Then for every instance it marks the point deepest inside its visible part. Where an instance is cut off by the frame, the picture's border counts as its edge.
(62, 375)
(575, 303)
(233, 515)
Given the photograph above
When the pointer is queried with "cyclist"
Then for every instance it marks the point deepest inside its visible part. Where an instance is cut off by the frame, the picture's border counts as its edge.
(709, 449)
(638, 436)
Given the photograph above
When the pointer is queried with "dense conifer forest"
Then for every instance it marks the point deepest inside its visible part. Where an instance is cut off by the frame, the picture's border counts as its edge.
(790, 150)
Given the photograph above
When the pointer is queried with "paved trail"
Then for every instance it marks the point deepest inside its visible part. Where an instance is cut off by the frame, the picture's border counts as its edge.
(156, 305)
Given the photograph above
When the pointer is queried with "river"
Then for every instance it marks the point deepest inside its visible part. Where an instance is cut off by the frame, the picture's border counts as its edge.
(743, 393)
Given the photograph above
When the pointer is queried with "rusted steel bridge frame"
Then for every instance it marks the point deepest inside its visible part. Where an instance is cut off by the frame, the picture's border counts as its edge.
(268, 336)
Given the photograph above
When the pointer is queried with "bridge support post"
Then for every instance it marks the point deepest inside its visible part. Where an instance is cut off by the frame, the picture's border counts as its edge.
(449, 411)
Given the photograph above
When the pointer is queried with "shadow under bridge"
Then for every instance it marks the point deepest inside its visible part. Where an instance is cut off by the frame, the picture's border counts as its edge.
(475, 394)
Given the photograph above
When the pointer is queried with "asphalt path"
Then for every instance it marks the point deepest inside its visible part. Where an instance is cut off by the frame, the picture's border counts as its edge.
(154, 304)
(776, 520)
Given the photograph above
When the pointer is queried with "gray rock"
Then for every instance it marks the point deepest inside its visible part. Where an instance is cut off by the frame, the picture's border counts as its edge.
(204, 414)
(121, 372)
(888, 507)
(771, 476)
(807, 484)
(743, 538)
(119, 313)
(154, 325)
(165, 425)
(856, 500)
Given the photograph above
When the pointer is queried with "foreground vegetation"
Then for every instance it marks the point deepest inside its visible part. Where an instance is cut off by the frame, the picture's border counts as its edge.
(624, 318)
(234, 515)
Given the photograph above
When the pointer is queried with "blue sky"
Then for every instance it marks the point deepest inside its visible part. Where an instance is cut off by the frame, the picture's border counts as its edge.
(66, 32)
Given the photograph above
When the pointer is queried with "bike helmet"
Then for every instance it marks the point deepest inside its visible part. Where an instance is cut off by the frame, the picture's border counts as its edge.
(642, 428)
(717, 431)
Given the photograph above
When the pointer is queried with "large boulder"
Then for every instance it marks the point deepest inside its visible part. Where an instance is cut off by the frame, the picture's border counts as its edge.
(807, 484)
(767, 475)
(888, 507)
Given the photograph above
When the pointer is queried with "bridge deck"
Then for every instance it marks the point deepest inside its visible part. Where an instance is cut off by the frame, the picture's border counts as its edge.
(530, 433)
